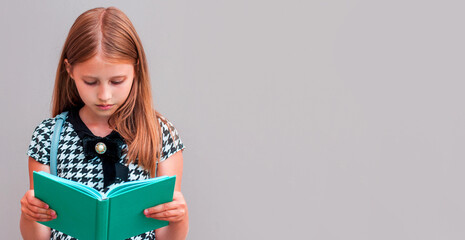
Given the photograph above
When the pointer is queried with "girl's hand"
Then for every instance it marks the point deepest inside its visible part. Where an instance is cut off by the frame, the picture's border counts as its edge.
(174, 211)
(34, 209)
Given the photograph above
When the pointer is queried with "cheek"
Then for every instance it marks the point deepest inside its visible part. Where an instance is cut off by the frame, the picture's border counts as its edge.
(126, 90)
(84, 92)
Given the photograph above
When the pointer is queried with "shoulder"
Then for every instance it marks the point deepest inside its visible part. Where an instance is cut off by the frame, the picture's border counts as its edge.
(165, 124)
(39, 146)
(45, 127)
(171, 140)
(168, 131)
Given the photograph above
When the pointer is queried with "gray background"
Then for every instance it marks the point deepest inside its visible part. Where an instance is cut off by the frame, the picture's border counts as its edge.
(302, 119)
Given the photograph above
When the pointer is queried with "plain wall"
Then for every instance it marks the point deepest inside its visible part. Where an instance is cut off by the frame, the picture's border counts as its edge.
(316, 119)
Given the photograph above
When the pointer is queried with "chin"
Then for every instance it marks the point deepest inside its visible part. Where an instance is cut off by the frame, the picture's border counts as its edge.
(104, 113)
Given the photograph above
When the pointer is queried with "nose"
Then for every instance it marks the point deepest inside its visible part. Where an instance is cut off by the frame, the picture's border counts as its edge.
(104, 93)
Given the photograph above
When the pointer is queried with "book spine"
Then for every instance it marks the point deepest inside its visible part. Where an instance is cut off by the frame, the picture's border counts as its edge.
(102, 220)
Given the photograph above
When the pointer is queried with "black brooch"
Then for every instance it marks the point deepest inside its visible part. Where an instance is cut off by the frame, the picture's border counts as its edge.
(108, 149)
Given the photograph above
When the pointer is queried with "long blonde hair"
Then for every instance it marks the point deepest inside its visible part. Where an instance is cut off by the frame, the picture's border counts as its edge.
(110, 31)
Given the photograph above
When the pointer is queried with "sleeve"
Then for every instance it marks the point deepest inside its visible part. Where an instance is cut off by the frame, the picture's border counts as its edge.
(171, 142)
(39, 148)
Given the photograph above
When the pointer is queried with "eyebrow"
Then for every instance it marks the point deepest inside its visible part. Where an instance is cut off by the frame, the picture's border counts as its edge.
(92, 77)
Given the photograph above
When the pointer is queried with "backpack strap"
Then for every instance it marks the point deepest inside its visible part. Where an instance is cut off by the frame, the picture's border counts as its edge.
(55, 140)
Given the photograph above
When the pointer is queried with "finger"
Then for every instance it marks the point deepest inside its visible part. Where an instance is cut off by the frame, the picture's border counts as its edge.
(36, 202)
(43, 218)
(37, 216)
(38, 206)
(168, 214)
(40, 215)
(161, 208)
(39, 210)
(171, 219)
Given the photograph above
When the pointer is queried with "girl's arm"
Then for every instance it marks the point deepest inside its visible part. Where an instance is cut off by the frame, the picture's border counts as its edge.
(32, 209)
(176, 211)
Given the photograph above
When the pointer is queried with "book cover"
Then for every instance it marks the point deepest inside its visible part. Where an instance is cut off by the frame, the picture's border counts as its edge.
(85, 214)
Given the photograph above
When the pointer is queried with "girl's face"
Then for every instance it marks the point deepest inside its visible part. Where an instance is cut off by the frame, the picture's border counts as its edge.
(103, 86)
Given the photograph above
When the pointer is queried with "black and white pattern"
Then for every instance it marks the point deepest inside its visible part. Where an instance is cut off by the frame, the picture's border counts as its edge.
(72, 164)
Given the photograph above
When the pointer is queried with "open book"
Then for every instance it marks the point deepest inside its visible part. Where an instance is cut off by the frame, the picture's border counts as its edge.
(86, 214)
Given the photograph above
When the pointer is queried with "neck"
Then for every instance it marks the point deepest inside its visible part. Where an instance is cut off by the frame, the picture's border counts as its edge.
(98, 125)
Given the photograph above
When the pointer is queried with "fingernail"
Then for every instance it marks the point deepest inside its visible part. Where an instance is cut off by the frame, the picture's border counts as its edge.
(146, 211)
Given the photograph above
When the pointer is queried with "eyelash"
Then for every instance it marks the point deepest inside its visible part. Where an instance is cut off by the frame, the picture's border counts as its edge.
(93, 83)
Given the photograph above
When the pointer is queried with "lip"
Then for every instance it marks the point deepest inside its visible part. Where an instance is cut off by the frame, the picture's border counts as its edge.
(105, 106)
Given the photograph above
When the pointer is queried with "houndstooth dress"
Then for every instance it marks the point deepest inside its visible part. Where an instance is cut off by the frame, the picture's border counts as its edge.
(72, 163)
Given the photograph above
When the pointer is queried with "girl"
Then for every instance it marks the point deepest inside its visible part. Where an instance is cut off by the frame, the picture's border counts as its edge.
(103, 82)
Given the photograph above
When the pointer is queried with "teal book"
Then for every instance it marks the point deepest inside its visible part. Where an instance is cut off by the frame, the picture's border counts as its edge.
(86, 214)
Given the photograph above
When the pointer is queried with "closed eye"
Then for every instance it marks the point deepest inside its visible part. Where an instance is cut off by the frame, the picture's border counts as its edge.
(118, 82)
(90, 83)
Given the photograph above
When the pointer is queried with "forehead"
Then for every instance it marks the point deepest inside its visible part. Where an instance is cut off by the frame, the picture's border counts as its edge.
(100, 67)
